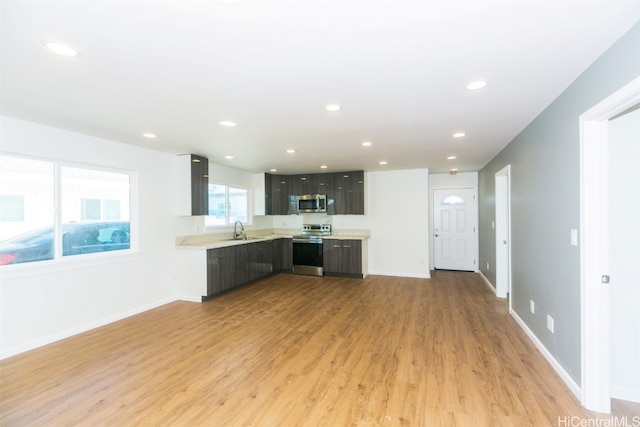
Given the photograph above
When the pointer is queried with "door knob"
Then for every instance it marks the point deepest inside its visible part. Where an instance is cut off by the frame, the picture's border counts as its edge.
(435, 235)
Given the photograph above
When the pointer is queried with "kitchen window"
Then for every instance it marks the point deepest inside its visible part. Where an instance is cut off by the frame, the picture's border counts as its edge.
(93, 214)
(227, 205)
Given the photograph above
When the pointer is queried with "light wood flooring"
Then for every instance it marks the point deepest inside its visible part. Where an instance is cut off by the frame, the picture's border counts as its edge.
(301, 351)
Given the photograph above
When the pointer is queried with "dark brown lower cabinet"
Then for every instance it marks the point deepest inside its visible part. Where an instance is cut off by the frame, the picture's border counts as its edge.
(342, 257)
(234, 266)
(259, 260)
(226, 268)
(282, 255)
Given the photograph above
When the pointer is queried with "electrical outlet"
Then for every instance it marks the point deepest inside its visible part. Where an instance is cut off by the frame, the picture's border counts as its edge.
(532, 306)
(550, 325)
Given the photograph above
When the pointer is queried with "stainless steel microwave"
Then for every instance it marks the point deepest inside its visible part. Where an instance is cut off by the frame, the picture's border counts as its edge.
(311, 203)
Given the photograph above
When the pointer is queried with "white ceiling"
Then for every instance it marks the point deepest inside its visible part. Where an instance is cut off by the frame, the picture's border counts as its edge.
(398, 68)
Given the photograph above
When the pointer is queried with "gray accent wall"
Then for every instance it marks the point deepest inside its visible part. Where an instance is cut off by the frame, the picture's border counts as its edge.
(545, 204)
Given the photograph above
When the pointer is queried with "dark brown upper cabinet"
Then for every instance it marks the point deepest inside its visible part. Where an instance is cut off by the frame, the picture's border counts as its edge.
(345, 190)
(194, 173)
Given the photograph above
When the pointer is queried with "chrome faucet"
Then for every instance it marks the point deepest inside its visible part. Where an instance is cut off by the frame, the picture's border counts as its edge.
(235, 230)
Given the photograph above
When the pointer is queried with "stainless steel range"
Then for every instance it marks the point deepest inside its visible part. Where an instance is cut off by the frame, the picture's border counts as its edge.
(307, 249)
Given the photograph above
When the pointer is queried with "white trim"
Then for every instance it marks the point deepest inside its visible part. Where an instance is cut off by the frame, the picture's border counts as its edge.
(564, 375)
(84, 328)
(39, 268)
(398, 274)
(623, 394)
(487, 282)
(595, 375)
(189, 298)
(503, 226)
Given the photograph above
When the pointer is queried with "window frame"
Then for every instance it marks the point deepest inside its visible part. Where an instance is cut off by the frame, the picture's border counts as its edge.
(227, 222)
(60, 262)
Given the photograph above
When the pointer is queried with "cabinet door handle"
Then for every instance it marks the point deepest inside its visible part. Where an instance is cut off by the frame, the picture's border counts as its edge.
(346, 246)
(336, 246)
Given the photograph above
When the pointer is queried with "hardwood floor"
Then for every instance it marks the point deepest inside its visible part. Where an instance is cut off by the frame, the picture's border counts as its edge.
(301, 351)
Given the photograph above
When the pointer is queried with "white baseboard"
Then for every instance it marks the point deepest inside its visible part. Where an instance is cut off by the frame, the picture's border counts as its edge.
(564, 375)
(87, 327)
(392, 274)
(189, 298)
(487, 282)
(624, 394)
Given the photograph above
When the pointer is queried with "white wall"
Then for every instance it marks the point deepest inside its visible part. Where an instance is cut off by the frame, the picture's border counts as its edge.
(398, 217)
(446, 180)
(219, 174)
(624, 253)
(40, 304)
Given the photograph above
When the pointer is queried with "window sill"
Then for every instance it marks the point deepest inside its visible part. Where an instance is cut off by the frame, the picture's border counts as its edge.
(76, 262)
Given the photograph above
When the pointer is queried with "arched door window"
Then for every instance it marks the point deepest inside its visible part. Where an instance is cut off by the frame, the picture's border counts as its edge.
(452, 199)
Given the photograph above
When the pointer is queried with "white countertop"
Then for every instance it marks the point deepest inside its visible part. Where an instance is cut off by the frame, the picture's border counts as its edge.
(222, 243)
(214, 241)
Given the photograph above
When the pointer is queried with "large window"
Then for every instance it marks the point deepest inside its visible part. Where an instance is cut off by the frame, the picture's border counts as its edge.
(93, 214)
(227, 205)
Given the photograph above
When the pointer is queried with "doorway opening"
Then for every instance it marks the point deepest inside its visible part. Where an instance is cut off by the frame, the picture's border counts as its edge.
(503, 233)
(594, 245)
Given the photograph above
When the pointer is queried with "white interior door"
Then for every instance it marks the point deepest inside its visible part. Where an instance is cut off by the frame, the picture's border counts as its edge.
(454, 229)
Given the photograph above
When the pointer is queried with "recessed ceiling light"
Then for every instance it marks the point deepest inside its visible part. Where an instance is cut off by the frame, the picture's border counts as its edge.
(476, 85)
(273, 170)
(149, 135)
(228, 123)
(333, 107)
(366, 144)
(383, 162)
(291, 151)
(61, 49)
(323, 167)
(228, 157)
(459, 134)
(451, 158)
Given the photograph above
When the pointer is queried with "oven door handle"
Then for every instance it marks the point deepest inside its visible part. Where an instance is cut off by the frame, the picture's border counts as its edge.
(315, 241)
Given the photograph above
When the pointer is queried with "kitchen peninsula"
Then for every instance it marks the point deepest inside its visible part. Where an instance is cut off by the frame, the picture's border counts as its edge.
(211, 264)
